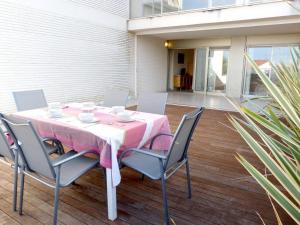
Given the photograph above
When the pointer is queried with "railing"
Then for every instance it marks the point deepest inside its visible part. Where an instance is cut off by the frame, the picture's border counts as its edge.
(149, 8)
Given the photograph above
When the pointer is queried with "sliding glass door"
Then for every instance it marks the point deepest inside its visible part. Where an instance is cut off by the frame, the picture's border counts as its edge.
(200, 75)
(211, 70)
(217, 70)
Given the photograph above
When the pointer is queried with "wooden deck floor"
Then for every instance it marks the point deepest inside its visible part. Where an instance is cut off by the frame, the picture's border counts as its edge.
(223, 193)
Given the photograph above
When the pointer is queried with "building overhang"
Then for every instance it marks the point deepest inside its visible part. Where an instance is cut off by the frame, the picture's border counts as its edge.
(268, 18)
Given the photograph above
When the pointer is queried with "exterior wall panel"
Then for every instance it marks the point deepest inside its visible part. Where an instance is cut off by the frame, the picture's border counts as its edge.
(71, 58)
(152, 59)
(235, 67)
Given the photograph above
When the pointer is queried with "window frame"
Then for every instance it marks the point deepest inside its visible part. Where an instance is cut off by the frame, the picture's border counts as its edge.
(272, 46)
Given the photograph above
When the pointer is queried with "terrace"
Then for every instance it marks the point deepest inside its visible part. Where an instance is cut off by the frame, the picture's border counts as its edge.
(117, 112)
(223, 192)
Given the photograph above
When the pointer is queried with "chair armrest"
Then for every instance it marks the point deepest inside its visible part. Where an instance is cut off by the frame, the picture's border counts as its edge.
(60, 162)
(158, 135)
(50, 139)
(56, 142)
(146, 152)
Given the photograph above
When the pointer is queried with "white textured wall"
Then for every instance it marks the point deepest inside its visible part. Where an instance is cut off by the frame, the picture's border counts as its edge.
(273, 39)
(199, 43)
(72, 49)
(152, 68)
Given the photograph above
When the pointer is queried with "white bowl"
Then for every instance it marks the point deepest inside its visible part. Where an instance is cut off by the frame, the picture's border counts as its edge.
(118, 109)
(86, 117)
(56, 113)
(124, 116)
(88, 106)
(54, 105)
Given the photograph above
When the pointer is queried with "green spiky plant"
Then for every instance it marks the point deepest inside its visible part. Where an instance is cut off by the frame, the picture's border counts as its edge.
(278, 129)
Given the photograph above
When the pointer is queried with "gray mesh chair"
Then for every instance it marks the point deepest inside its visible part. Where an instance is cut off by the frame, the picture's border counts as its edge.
(152, 102)
(115, 97)
(7, 156)
(52, 145)
(32, 99)
(159, 166)
(57, 173)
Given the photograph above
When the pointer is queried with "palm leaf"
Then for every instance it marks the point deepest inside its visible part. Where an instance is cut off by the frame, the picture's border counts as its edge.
(278, 145)
(272, 190)
(276, 94)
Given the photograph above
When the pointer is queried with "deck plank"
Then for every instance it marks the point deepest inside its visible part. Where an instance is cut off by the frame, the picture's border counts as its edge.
(223, 192)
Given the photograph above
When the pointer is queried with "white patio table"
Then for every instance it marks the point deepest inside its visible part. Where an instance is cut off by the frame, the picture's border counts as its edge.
(106, 136)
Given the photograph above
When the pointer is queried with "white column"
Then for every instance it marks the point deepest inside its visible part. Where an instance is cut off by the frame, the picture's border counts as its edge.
(235, 67)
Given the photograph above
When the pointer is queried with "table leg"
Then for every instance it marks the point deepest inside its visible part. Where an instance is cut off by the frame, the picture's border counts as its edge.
(111, 196)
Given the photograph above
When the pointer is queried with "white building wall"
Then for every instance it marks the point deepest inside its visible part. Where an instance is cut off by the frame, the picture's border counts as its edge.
(280, 39)
(152, 62)
(235, 67)
(73, 49)
(200, 43)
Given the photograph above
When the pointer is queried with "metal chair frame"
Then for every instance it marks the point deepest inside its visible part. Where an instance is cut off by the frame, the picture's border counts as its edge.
(39, 101)
(153, 102)
(55, 167)
(13, 161)
(166, 170)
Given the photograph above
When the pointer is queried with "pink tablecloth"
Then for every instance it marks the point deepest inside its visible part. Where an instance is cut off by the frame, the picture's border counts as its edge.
(107, 136)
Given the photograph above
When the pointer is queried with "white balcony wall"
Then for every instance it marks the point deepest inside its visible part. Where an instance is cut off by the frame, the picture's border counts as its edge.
(152, 62)
(273, 13)
(73, 49)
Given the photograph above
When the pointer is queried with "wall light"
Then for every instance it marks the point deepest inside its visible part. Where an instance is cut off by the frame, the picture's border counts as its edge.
(167, 44)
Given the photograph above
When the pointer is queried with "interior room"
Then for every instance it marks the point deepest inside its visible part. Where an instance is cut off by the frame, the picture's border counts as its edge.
(181, 69)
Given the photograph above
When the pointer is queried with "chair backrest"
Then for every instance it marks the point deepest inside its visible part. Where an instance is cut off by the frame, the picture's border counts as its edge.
(182, 137)
(152, 102)
(32, 148)
(4, 146)
(32, 99)
(115, 97)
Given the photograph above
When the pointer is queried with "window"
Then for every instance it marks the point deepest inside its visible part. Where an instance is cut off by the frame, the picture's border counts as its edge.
(263, 56)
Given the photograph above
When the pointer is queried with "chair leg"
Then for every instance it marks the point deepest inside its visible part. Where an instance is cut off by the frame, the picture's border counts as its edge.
(188, 177)
(165, 201)
(15, 197)
(21, 192)
(61, 149)
(104, 172)
(56, 203)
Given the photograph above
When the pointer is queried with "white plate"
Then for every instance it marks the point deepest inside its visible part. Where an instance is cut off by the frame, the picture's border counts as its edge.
(126, 121)
(94, 120)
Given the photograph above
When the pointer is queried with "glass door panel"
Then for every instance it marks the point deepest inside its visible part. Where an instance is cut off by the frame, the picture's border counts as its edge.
(262, 56)
(200, 78)
(253, 84)
(192, 4)
(171, 5)
(218, 3)
(217, 70)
